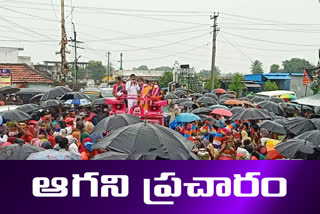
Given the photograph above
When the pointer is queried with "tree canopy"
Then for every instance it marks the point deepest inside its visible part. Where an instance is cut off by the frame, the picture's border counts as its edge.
(256, 67)
(275, 68)
(270, 86)
(165, 79)
(95, 70)
(217, 83)
(142, 68)
(237, 84)
(296, 65)
(163, 68)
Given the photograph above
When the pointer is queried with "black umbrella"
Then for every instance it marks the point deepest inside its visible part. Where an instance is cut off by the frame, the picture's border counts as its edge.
(276, 100)
(272, 107)
(211, 120)
(179, 93)
(148, 139)
(257, 99)
(171, 97)
(36, 98)
(188, 104)
(214, 96)
(272, 127)
(196, 95)
(207, 100)
(296, 148)
(281, 121)
(115, 122)
(18, 151)
(181, 100)
(311, 136)
(75, 96)
(29, 108)
(229, 96)
(299, 125)
(251, 114)
(15, 115)
(55, 92)
(9, 90)
(244, 99)
(316, 122)
(101, 101)
(236, 110)
(202, 110)
(222, 101)
(111, 156)
(49, 103)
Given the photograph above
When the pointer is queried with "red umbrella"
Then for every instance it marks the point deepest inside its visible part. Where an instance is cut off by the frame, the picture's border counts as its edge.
(222, 112)
(220, 91)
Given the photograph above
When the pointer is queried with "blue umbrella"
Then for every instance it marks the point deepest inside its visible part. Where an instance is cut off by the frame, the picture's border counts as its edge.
(187, 117)
(53, 155)
(218, 106)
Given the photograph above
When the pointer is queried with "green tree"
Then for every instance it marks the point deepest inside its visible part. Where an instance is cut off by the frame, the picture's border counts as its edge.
(81, 73)
(256, 67)
(163, 68)
(237, 84)
(165, 79)
(142, 68)
(270, 86)
(275, 68)
(296, 65)
(96, 71)
(206, 73)
(217, 83)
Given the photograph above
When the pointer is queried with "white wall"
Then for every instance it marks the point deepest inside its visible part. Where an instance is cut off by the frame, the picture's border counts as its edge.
(9, 55)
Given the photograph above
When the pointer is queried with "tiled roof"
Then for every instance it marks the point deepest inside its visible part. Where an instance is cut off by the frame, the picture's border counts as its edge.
(23, 73)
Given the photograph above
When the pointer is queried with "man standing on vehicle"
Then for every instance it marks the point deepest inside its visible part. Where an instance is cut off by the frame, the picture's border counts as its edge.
(132, 89)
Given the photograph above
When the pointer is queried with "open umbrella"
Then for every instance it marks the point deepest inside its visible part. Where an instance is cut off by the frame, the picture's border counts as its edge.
(296, 148)
(114, 122)
(219, 91)
(272, 127)
(9, 90)
(218, 106)
(29, 108)
(18, 151)
(276, 100)
(181, 100)
(179, 93)
(258, 99)
(53, 155)
(187, 104)
(233, 102)
(36, 98)
(112, 156)
(207, 100)
(290, 108)
(202, 110)
(311, 136)
(229, 96)
(288, 97)
(210, 119)
(281, 121)
(299, 125)
(272, 107)
(316, 122)
(251, 114)
(55, 92)
(148, 139)
(222, 112)
(49, 103)
(82, 102)
(75, 96)
(15, 115)
(211, 95)
(171, 97)
(248, 103)
(196, 95)
(101, 101)
(236, 110)
(222, 101)
(187, 117)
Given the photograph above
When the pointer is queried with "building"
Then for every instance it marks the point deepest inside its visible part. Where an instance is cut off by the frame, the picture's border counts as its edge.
(149, 75)
(11, 55)
(24, 76)
(285, 81)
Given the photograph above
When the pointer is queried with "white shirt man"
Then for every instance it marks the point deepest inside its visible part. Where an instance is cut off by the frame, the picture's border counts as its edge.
(132, 89)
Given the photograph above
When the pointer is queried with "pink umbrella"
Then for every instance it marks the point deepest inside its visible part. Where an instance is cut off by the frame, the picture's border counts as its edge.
(222, 112)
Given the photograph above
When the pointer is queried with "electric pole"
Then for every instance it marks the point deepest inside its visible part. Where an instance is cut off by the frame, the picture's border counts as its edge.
(64, 41)
(109, 69)
(214, 47)
(75, 41)
(121, 62)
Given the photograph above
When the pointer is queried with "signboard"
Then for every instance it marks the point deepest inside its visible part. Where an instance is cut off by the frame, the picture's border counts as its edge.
(5, 77)
(306, 78)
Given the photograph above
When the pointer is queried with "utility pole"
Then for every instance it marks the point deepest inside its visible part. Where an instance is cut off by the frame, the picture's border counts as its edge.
(121, 62)
(214, 47)
(64, 41)
(75, 41)
(109, 69)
